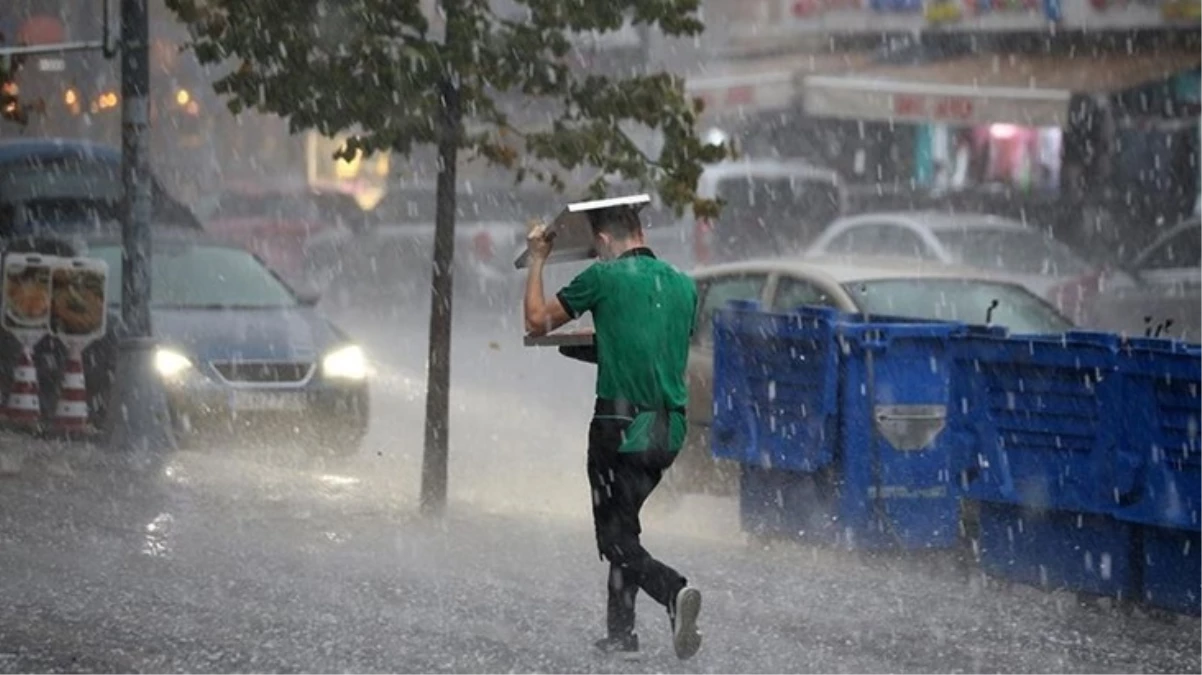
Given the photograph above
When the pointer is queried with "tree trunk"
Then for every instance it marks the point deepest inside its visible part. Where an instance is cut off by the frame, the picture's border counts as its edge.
(438, 374)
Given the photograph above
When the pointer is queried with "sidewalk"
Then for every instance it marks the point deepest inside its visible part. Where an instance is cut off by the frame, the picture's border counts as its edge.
(21, 453)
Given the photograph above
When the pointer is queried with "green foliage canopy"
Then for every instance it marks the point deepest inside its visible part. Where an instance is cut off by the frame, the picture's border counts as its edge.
(394, 74)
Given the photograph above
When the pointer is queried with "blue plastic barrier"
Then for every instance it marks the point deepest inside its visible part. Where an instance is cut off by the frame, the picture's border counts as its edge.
(1030, 413)
(1159, 432)
(1058, 550)
(838, 422)
(1082, 449)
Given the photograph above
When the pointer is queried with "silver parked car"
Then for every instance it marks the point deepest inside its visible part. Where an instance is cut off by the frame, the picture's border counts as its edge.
(990, 243)
(1167, 295)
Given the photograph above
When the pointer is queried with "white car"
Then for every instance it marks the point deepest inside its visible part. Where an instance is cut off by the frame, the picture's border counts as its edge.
(1167, 298)
(1172, 262)
(999, 245)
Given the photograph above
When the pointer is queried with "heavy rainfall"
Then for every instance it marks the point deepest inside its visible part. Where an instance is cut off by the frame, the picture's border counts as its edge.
(958, 248)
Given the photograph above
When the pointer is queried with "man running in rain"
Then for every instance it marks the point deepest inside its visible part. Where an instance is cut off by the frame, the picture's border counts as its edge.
(643, 312)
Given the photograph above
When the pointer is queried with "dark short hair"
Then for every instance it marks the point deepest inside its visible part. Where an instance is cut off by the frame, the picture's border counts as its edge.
(620, 222)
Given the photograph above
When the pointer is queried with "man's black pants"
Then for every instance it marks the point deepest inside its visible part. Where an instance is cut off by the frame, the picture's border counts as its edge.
(621, 483)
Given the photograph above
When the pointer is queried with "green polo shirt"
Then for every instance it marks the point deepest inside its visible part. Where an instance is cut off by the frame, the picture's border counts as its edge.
(643, 310)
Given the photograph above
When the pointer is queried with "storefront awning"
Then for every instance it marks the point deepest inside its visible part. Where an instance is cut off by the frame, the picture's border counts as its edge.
(983, 89)
(758, 85)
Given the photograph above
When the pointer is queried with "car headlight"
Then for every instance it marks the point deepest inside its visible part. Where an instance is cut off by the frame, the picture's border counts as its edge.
(347, 363)
(170, 363)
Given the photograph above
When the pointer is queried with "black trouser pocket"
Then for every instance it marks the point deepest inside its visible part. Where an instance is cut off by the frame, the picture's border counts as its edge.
(660, 431)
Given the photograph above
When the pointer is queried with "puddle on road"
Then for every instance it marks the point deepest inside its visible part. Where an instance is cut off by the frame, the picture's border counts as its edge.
(159, 534)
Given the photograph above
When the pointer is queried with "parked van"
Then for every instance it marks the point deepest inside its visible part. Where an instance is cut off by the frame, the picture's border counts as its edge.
(772, 207)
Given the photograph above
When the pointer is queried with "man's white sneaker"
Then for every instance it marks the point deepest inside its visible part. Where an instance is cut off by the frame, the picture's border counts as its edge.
(685, 636)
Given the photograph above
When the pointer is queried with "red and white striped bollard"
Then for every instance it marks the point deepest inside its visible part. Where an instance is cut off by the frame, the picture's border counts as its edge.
(71, 411)
(24, 406)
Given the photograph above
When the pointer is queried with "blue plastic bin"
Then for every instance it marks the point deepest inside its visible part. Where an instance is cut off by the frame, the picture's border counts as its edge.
(1032, 413)
(837, 420)
(1057, 550)
(899, 483)
(1159, 433)
(775, 388)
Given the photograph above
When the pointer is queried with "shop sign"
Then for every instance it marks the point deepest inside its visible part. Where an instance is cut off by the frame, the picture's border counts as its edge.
(52, 65)
(765, 91)
(752, 23)
(364, 178)
(1120, 5)
(1183, 11)
(849, 16)
(896, 6)
(806, 10)
(760, 20)
(885, 100)
(1144, 12)
(935, 108)
(811, 9)
(1129, 14)
(981, 14)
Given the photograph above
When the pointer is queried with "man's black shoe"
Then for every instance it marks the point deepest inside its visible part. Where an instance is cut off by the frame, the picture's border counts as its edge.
(626, 645)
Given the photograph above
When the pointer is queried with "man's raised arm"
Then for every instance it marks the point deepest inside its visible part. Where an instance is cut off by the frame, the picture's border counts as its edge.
(542, 315)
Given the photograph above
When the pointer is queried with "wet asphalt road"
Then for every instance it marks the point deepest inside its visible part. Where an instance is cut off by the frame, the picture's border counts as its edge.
(232, 560)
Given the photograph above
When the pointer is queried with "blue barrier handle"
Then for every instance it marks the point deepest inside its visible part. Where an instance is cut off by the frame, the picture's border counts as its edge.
(1139, 470)
(1006, 486)
(743, 404)
(753, 437)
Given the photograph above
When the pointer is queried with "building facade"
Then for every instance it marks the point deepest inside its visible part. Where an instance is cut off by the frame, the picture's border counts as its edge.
(1055, 107)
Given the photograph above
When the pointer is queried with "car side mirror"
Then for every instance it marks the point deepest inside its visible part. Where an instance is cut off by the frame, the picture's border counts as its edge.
(308, 297)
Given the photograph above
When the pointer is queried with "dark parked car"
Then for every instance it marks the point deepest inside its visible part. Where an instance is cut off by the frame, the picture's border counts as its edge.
(50, 185)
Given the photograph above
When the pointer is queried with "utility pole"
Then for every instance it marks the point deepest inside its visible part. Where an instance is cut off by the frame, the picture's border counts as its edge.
(135, 167)
(138, 419)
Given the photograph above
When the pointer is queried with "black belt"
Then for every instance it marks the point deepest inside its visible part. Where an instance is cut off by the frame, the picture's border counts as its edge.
(620, 408)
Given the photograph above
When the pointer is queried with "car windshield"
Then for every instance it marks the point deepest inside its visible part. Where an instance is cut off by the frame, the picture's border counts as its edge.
(197, 276)
(959, 300)
(1014, 251)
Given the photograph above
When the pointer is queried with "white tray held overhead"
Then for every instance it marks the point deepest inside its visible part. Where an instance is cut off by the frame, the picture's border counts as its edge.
(572, 232)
